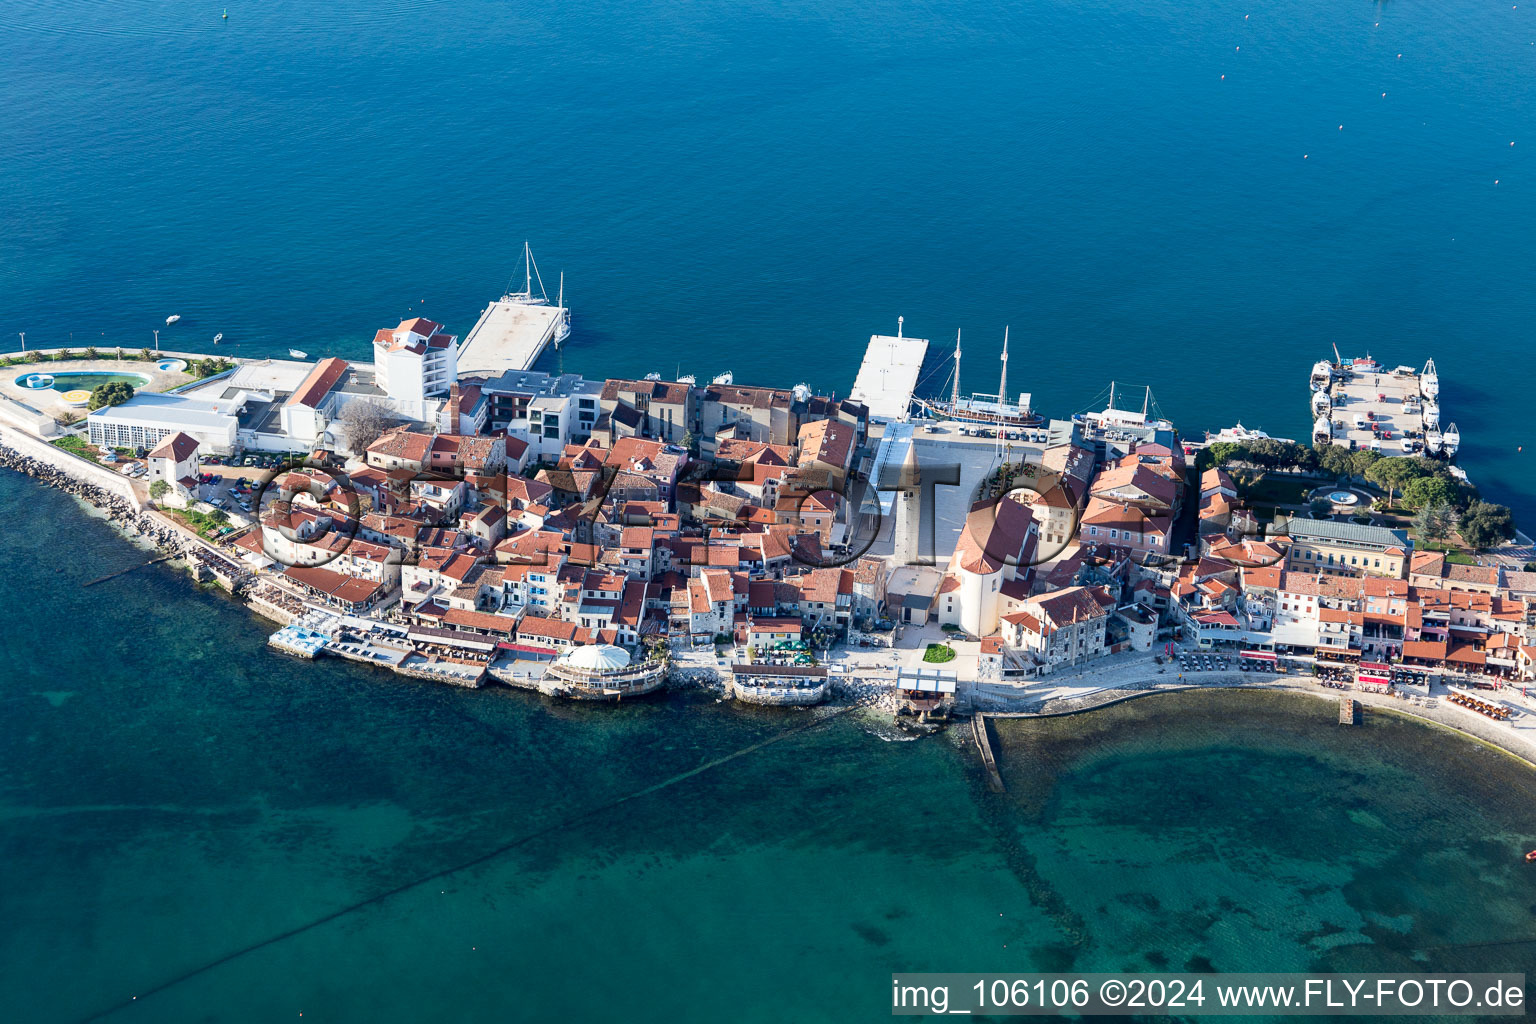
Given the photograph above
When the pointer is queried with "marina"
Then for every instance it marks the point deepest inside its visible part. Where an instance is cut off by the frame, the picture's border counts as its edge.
(1360, 404)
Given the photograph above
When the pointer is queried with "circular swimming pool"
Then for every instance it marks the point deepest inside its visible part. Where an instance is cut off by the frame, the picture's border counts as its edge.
(172, 365)
(83, 380)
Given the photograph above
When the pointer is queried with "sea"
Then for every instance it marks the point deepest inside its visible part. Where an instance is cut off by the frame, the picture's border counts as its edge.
(1201, 198)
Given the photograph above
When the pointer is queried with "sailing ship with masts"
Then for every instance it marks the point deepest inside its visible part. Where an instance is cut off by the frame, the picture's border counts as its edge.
(983, 409)
(528, 297)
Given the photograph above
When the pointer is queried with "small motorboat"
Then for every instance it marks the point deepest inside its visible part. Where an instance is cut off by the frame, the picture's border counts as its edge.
(218, 337)
(172, 319)
(1530, 857)
(295, 353)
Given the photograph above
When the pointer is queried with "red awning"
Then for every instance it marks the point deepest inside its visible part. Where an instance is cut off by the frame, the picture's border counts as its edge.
(527, 649)
(1259, 655)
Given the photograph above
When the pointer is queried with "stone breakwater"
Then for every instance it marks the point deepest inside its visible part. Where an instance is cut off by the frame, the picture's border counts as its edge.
(117, 509)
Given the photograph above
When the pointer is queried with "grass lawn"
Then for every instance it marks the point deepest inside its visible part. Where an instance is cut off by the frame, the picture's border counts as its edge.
(939, 653)
(205, 524)
(76, 446)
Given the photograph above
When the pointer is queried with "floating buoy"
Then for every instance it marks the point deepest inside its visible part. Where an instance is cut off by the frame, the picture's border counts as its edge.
(1303, 156)
(1341, 127)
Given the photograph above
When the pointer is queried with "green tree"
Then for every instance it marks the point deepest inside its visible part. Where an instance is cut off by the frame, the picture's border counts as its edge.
(1435, 521)
(1361, 460)
(1321, 506)
(1485, 525)
(90, 352)
(1429, 490)
(159, 489)
(115, 393)
(1333, 460)
(1223, 452)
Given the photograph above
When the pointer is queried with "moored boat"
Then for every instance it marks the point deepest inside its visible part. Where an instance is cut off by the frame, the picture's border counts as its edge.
(1429, 380)
(1451, 439)
(1431, 416)
(1322, 374)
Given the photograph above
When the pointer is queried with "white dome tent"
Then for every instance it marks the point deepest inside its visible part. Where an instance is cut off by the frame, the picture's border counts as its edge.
(601, 672)
(596, 658)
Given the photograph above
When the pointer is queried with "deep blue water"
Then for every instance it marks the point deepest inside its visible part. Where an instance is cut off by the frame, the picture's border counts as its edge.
(755, 186)
(761, 185)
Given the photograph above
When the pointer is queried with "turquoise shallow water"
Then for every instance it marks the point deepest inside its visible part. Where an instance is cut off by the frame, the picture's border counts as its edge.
(761, 185)
(171, 793)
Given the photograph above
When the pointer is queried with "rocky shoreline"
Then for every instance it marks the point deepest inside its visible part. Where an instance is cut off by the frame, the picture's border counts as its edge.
(120, 512)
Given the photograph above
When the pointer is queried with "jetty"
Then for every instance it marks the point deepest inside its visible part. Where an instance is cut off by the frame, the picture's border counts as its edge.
(510, 335)
(1349, 711)
(888, 375)
(984, 745)
(515, 330)
(124, 572)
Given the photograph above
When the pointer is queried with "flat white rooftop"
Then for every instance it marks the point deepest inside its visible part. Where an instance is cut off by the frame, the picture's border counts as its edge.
(157, 410)
(888, 375)
(282, 376)
(508, 336)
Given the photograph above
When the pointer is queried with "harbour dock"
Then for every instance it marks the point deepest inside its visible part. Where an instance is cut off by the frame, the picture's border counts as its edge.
(1363, 405)
(510, 335)
(1349, 711)
(888, 375)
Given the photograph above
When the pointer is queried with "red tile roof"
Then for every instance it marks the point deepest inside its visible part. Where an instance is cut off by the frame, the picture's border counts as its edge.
(319, 382)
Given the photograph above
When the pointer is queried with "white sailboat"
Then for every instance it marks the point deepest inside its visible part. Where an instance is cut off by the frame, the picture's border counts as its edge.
(1429, 380)
(528, 297)
(688, 378)
(1431, 415)
(1452, 439)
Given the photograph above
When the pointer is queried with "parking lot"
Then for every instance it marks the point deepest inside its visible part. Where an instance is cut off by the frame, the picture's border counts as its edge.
(227, 484)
